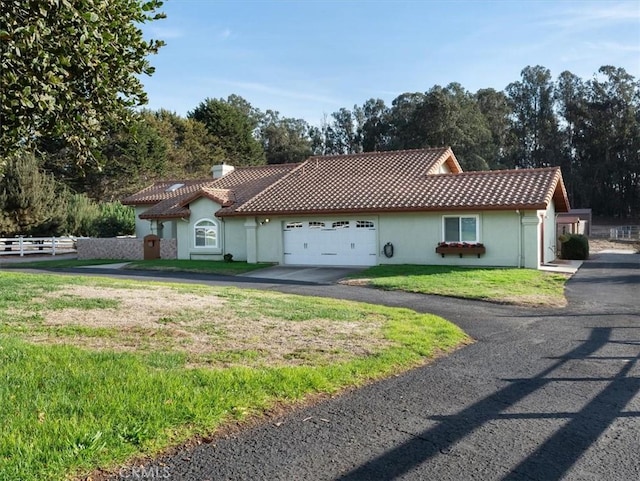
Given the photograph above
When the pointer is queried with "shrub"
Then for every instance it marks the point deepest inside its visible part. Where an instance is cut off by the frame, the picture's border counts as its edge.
(115, 219)
(574, 247)
(82, 215)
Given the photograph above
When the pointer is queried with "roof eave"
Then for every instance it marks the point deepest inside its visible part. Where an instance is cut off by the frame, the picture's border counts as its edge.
(164, 216)
(290, 212)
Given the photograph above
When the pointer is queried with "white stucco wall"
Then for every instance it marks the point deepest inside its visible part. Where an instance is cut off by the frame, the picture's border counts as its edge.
(413, 235)
(143, 226)
(416, 235)
(550, 234)
(530, 239)
(235, 238)
(167, 229)
(270, 240)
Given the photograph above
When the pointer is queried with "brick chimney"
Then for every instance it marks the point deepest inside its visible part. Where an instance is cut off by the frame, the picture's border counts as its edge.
(221, 170)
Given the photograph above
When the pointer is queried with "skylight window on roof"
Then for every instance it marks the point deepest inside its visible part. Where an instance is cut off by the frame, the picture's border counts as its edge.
(174, 187)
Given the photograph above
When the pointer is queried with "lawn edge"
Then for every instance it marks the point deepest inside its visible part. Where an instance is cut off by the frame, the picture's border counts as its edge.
(279, 410)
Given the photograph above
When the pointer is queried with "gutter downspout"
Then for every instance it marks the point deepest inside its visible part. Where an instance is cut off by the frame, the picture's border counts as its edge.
(519, 214)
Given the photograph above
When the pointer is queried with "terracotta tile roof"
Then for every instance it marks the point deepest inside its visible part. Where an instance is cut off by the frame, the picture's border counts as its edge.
(370, 182)
(403, 181)
(160, 191)
(179, 206)
(230, 191)
(247, 182)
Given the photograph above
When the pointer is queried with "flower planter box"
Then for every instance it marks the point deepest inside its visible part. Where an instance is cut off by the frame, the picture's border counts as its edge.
(461, 251)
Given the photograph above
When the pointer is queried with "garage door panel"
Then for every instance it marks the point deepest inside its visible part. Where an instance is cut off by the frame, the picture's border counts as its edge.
(330, 242)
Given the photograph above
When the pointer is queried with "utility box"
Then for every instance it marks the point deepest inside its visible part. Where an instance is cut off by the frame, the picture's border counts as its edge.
(151, 247)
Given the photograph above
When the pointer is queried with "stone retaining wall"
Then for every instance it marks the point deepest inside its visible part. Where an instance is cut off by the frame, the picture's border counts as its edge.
(129, 249)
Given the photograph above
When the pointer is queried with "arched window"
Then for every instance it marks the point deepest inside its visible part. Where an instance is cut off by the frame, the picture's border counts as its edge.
(206, 233)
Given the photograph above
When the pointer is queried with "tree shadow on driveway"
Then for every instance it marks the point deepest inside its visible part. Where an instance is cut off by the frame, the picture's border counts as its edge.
(556, 455)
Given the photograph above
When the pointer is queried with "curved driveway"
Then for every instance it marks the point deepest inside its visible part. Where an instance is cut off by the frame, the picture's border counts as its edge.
(542, 395)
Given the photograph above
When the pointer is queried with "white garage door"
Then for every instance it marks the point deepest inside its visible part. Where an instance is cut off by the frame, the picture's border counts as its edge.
(330, 242)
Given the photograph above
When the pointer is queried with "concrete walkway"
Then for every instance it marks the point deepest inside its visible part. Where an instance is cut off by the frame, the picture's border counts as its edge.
(542, 395)
(320, 275)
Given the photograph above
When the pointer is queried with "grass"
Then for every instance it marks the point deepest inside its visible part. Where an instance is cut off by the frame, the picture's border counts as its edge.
(204, 266)
(502, 285)
(68, 408)
(54, 263)
(210, 267)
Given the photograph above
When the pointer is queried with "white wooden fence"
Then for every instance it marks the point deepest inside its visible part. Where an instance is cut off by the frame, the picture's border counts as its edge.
(627, 232)
(22, 246)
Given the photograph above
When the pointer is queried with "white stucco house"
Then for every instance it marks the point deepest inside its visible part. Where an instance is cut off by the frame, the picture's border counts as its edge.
(398, 207)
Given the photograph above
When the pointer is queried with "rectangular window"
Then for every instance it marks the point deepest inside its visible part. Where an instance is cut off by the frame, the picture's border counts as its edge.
(460, 229)
(452, 229)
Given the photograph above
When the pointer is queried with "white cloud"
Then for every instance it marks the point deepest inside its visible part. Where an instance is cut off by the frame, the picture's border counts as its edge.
(589, 15)
(224, 34)
(279, 92)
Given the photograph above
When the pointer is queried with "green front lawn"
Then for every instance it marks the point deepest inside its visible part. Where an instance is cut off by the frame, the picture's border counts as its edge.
(53, 263)
(210, 267)
(502, 285)
(96, 371)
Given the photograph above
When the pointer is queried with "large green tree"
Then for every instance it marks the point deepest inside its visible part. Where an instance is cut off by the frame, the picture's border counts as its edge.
(495, 108)
(374, 127)
(534, 122)
(235, 124)
(127, 158)
(571, 105)
(71, 67)
(284, 140)
(191, 150)
(606, 145)
(404, 132)
(450, 116)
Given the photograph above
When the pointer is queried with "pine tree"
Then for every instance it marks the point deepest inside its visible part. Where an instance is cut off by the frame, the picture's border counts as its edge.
(31, 201)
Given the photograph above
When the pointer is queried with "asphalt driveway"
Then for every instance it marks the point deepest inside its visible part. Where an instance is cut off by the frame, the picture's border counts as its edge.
(542, 395)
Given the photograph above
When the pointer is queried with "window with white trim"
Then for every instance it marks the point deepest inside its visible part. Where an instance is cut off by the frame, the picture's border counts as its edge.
(206, 233)
(293, 225)
(316, 225)
(460, 228)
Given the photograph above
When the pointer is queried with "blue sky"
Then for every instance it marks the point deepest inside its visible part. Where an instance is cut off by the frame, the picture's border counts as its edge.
(310, 58)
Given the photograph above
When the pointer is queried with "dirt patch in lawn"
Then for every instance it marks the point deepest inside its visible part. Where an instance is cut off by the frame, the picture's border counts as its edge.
(203, 327)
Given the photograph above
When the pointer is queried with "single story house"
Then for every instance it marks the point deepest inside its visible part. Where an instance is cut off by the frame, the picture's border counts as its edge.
(396, 207)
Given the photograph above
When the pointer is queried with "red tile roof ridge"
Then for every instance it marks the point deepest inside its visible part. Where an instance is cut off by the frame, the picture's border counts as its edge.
(298, 166)
(501, 171)
(211, 193)
(263, 166)
(380, 152)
